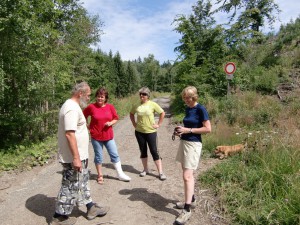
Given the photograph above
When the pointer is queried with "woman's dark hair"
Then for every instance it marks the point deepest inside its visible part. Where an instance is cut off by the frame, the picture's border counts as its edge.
(102, 91)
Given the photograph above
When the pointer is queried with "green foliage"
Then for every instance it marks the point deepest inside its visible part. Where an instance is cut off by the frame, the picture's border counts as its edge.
(288, 34)
(259, 187)
(247, 17)
(250, 109)
(22, 157)
(202, 50)
(132, 77)
(123, 106)
(35, 36)
(150, 72)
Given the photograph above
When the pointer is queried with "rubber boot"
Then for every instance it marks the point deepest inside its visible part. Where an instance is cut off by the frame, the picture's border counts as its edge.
(122, 176)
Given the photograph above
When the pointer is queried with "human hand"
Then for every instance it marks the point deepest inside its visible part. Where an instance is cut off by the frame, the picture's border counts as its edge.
(179, 130)
(155, 126)
(77, 164)
(108, 124)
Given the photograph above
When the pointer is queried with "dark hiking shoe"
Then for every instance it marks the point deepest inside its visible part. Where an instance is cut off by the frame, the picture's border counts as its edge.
(180, 205)
(97, 210)
(63, 220)
(183, 217)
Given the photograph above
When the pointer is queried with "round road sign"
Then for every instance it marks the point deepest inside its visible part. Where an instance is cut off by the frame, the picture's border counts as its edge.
(230, 68)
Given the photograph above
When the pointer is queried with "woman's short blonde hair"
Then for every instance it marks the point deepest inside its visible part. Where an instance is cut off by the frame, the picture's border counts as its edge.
(145, 90)
(191, 92)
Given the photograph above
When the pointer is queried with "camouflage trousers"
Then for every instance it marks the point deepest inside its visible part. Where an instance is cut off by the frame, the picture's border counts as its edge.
(74, 189)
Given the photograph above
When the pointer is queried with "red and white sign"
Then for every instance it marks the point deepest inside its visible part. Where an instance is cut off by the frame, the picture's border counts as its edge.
(229, 68)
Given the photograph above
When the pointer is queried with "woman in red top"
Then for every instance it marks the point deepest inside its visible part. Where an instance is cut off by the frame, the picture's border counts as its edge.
(103, 117)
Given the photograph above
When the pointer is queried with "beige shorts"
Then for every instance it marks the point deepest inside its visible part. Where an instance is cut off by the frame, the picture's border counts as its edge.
(189, 153)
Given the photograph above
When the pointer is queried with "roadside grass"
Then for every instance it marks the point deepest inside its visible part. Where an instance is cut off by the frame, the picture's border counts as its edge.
(262, 184)
(25, 157)
(123, 105)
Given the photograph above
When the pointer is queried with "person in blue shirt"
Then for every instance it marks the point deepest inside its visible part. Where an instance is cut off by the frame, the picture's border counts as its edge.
(195, 123)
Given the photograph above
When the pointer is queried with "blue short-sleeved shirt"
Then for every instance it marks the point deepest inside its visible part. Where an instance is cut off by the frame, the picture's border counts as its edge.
(193, 119)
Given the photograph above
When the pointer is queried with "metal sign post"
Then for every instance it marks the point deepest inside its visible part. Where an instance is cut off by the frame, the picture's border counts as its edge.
(229, 70)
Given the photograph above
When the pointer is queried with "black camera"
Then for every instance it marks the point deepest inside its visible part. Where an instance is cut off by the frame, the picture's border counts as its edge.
(175, 132)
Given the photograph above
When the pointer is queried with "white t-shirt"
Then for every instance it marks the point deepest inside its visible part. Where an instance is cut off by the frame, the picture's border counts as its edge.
(72, 118)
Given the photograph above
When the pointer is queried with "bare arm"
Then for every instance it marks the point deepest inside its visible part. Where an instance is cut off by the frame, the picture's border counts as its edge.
(70, 135)
(111, 123)
(201, 130)
(161, 118)
(132, 118)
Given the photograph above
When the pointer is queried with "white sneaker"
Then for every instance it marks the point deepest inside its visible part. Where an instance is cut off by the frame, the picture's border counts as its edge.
(144, 173)
(162, 176)
(121, 175)
(183, 217)
(124, 177)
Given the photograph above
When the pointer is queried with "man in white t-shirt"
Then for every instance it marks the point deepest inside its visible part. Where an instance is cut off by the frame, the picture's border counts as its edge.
(73, 143)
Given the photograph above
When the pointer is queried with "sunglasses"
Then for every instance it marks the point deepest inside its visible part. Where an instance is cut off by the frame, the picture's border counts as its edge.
(144, 94)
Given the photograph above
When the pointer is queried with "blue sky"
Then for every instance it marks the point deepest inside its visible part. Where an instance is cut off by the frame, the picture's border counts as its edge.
(142, 27)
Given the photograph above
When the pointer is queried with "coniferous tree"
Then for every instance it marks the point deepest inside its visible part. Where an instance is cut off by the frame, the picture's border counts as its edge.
(121, 81)
(150, 72)
(202, 50)
(132, 78)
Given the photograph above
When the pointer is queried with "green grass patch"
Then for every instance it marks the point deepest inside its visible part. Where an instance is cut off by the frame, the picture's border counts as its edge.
(259, 187)
(25, 157)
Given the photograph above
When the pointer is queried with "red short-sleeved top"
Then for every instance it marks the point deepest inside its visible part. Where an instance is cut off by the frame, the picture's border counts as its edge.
(99, 116)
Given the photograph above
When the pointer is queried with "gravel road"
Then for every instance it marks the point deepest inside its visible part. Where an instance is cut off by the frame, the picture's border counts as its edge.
(28, 198)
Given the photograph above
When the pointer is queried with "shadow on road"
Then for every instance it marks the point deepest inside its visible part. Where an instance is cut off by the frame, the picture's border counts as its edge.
(41, 205)
(44, 206)
(153, 200)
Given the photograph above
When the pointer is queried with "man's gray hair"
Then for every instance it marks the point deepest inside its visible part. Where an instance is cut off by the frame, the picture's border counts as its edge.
(81, 87)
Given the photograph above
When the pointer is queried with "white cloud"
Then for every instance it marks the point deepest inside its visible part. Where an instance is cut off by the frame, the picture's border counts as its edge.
(290, 9)
(141, 27)
(136, 33)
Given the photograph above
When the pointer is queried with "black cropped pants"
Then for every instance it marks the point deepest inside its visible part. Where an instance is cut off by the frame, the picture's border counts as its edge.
(149, 139)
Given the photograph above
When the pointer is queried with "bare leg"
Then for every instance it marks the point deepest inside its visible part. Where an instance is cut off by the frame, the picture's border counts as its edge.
(100, 174)
(189, 183)
(159, 166)
(145, 163)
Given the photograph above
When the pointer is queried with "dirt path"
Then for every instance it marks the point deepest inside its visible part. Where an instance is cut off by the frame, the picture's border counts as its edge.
(29, 197)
